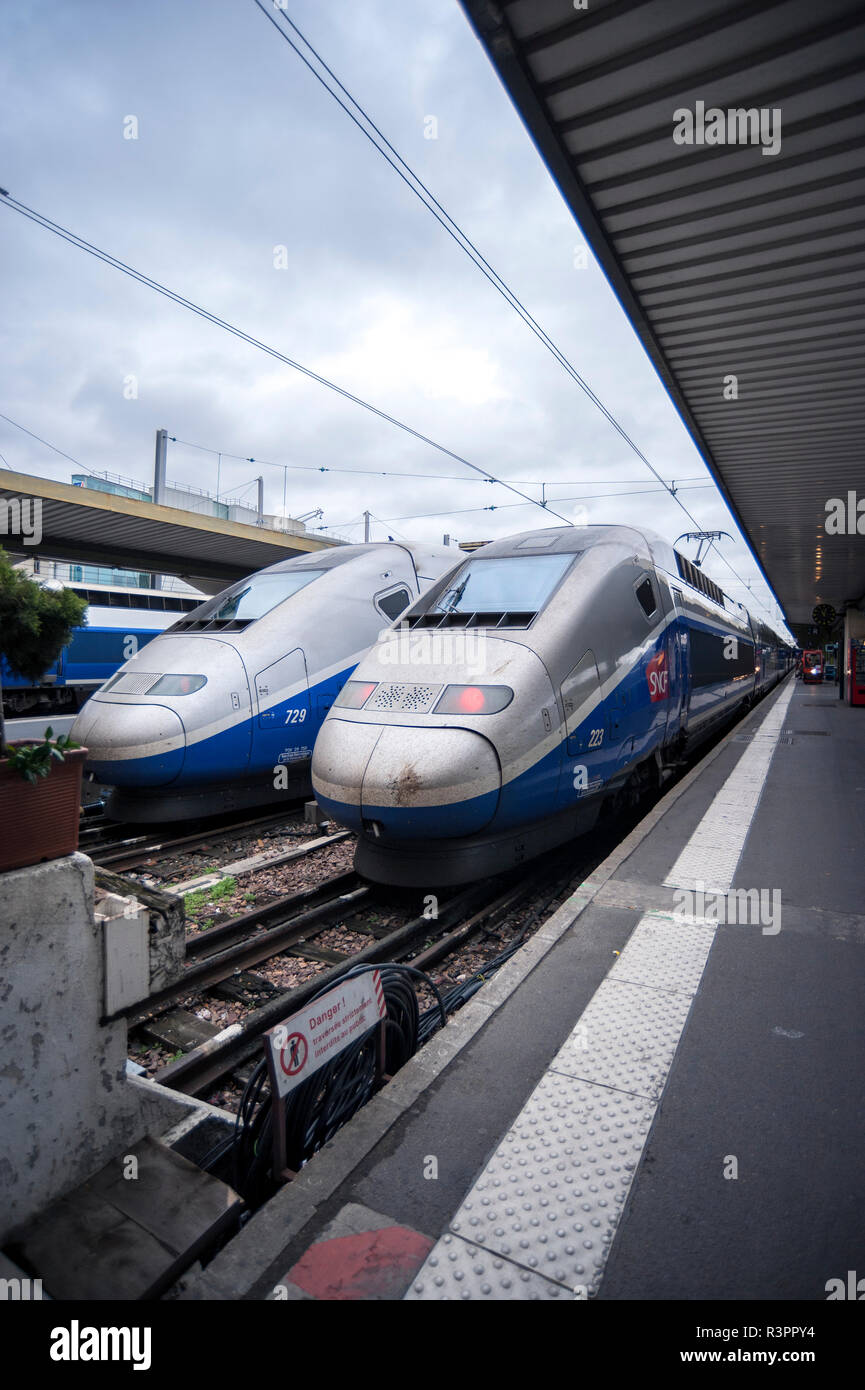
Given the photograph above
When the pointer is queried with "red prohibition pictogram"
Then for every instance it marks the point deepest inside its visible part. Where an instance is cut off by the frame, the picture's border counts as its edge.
(293, 1056)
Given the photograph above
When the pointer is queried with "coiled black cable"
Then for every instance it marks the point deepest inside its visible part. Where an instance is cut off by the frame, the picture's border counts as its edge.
(321, 1104)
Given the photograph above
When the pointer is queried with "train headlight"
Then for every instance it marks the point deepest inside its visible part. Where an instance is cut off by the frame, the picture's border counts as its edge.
(177, 685)
(354, 694)
(474, 699)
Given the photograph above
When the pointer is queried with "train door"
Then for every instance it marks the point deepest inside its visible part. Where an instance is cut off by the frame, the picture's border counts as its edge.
(639, 701)
(283, 724)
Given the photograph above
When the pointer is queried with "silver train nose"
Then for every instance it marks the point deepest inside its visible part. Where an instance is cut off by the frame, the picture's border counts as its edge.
(406, 781)
(145, 740)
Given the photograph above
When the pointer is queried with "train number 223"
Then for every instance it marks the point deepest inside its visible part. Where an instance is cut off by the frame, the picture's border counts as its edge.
(596, 738)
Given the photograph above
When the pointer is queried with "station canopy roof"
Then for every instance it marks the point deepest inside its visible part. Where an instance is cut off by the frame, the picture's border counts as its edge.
(730, 261)
(101, 528)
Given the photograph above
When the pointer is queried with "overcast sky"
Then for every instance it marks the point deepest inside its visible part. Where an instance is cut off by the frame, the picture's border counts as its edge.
(240, 151)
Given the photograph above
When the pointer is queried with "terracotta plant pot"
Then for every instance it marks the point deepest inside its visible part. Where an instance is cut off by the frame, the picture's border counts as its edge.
(40, 820)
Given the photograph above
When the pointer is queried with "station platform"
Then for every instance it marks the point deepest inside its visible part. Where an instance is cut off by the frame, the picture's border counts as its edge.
(658, 1097)
(35, 726)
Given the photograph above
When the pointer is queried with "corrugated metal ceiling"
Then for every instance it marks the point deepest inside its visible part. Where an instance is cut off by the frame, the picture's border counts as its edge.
(729, 261)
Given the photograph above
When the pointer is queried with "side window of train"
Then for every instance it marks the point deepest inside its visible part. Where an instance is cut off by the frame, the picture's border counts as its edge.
(393, 602)
(645, 591)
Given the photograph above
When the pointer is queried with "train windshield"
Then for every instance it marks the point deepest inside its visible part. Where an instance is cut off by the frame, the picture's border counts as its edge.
(253, 597)
(502, 584)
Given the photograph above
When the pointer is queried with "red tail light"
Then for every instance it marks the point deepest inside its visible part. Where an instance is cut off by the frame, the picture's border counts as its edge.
(354, 694)
(474, 699)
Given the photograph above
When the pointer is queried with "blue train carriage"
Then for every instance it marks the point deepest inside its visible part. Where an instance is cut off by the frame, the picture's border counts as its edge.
(119, 622)
(221, 711)
(552, 672)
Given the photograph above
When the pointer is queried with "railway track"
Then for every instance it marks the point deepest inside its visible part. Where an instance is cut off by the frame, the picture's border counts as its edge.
(253, 937)
(222, 961)
(241, 962)
(109, 843)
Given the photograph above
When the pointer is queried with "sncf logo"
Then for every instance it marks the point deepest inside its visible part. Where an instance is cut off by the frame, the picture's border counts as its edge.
(658, 677)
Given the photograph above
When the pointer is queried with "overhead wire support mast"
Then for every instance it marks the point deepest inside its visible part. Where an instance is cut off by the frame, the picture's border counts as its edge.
(82, 245)
(429, 200)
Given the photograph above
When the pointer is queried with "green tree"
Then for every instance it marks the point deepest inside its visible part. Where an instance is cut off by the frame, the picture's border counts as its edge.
(35, 625)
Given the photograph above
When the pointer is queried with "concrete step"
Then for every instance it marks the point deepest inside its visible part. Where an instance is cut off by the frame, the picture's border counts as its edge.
(130, 1230)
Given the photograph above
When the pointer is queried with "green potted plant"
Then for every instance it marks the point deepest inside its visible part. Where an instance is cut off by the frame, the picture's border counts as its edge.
(40, 784)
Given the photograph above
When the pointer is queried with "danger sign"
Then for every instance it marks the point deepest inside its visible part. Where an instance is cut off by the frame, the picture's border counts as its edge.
(319, 1032)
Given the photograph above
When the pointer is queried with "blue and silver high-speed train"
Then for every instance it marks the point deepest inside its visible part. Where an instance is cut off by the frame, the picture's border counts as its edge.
(221, 710)
(551, 671)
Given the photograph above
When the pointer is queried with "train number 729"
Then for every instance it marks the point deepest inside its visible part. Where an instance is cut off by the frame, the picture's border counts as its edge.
(295, 716)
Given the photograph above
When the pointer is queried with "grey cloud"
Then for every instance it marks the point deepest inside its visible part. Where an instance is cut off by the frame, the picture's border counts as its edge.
(239, 151)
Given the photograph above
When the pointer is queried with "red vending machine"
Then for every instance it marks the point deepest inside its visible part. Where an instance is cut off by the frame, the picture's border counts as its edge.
(856, 672)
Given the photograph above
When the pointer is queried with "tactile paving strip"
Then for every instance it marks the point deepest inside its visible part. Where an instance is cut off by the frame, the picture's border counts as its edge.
(550, 1198)
(456, 1269)
(626, 1037)
(665, 952)
(552, 1193)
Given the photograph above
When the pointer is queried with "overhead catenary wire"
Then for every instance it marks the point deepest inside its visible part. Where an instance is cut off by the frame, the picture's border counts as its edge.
(53, 447)
(40, 219)
(343, 525)
(506, 506)
(6, 200)
(420, 473)
(432, 204)
(693, 483)
(332, 468)
(419, 188)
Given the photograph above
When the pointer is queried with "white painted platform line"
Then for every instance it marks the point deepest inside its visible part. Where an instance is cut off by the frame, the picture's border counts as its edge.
(713, 851)
(549, 1200)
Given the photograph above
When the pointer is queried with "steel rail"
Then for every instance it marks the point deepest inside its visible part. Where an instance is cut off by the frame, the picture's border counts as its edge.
(123, 859)
(205, 1064)
(220, 966)
(207, 942)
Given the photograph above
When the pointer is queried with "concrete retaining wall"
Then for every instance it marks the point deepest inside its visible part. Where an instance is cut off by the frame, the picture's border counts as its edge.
(65, 1107)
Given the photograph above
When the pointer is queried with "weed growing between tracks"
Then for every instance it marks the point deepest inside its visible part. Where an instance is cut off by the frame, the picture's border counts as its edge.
(195, 904)
(172, 865)
(211, 908)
